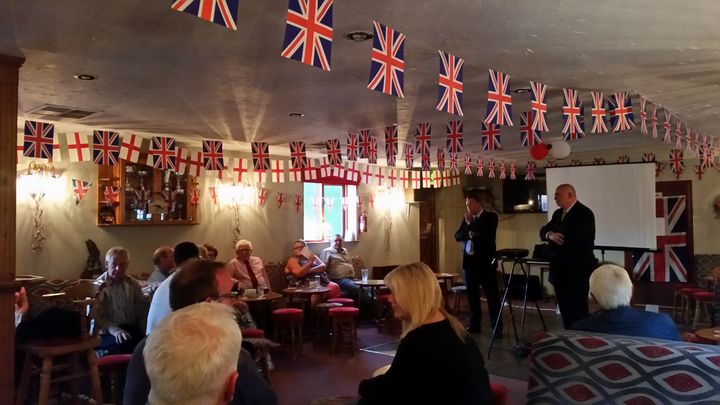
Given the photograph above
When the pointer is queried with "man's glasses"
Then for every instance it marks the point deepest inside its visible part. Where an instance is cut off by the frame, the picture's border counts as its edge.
(244, 250)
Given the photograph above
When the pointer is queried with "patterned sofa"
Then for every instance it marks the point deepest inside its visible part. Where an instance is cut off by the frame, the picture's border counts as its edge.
(582, 368)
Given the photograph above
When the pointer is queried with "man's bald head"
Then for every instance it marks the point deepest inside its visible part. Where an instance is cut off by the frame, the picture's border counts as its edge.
(565, 196)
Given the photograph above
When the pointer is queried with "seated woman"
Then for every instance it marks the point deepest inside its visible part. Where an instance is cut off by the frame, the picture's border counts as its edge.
(301, 270)
(437, 361)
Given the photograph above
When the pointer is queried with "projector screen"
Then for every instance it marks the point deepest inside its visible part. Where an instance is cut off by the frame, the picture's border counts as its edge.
(622, 197)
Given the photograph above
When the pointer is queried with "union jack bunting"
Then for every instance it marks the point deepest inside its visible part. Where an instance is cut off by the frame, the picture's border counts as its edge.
(491, 169)
(106, 147)
(213, 194)
(277, 171)
(222, 12)
(364, 143)
(598, 113)
(333, 151)
(669, 262)
(262, 195)
(623, 159)
(468, 164)
(678, 135)
(573, 115)
(512, 170)
(213, 155)
(352, 172)
(454, 141)
(422, 144)
(298, 157)
(707, 155)
(391, 144)
(80, 188)
(112, 195)
(699, 171)
(654, 121)
(39, 139)
(503, 175)
(78, 147)
(162, 153)
(240, 170)
(194, 196)
(659, 168)
(530, 167)
(676, 162)
(668, 127)
(309, 32)
(539, 106)
(648, 157)
(298, 200)
(688, 140)
(528, 136)
(142, 197)
(479, 172)
(441, 159)
(551, 163)
(499, 102)
(409, 158)
(490, 137)
(621, 113)
(372, 150)
(576, 162)
(261, 155)
(387, 68)
(450, 84)
(599, 161)
(351, 147)
(280, 198)
(130, 148)
(643, 116)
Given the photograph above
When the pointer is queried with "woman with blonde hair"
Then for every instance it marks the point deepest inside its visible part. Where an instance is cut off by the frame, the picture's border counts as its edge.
(437, 360)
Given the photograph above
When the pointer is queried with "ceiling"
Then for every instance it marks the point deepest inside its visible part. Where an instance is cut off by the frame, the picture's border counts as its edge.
(165, 72)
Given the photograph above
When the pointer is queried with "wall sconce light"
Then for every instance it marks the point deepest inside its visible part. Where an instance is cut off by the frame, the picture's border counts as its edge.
(39, 181)
(236, 195)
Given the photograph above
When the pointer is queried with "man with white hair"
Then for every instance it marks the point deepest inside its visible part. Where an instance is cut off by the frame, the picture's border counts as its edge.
(339, 267)
(611, 288)
(247, 270)
(191, 357)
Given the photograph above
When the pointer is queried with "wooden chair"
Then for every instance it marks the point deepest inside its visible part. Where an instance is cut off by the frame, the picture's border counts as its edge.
(83, 295)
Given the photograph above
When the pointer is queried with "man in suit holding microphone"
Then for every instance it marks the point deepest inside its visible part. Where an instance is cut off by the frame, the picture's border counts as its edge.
(477, 234)
(571, 236)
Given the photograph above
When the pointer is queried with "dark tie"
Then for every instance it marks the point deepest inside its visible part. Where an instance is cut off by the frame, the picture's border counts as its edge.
(251, 274)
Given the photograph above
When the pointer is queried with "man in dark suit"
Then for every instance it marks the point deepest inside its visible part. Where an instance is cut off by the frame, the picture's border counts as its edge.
(477, 234)
(571, 233)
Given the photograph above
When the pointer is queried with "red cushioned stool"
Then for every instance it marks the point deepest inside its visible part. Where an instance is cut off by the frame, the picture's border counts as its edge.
(322, 320)
(703, 299)
(288, 326)
(113, 369)
(346, 302)
(252, 333)
(686, 301)
(344, 319)
(499, 393)
(384, 316)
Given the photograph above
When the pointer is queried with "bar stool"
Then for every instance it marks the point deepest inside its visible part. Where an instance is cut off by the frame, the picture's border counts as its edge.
(457, 293)
(288, 322)
(686, 300)
(344, 319)
(322, 319)
(702, 300)
(384, 316)
(346, 302)
(113, 369)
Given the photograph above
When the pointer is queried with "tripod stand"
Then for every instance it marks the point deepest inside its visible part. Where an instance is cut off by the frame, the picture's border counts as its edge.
(521, 348)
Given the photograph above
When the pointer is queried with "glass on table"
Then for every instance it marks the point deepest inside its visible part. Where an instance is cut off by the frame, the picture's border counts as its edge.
(365, 274)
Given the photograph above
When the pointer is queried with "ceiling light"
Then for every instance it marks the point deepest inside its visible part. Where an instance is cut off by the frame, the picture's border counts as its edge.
(84, 76)
(521, 90)
(296, 115)
(358, 36)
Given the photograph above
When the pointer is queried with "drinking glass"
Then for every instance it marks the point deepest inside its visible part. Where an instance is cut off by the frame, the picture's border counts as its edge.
(364, 274)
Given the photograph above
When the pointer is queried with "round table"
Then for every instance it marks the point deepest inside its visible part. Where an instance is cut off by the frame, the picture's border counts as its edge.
(28, 280)
(709, 334)
(260, 307)
(267, 297)
(373, 285)
(305, 290)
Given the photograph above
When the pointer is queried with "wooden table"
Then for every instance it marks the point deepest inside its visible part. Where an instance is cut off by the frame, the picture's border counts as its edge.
(446, 279)
(304, 290)
(260, 307)
(267, 297)
(709, 334)
(373, 285)
(28, 280)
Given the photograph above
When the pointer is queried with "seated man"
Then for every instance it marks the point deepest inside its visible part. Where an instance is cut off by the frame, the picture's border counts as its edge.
(611, 288)
(247, 270)
(200, 281)
(339, 267)
(122, 307)
(191, 356)
(164, 263)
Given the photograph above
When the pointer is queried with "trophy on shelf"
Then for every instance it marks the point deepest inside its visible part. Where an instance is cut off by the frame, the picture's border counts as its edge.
(178, 196)
(142, 198)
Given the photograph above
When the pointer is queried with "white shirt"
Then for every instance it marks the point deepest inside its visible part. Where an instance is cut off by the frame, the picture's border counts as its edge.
(160, 304)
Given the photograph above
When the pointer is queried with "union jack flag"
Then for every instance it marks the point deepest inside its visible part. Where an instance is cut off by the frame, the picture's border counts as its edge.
(468, 164)
(528, 136)
(194, 196)
(688, 139)
(539, 106)
(491, 169)
(388, 64)
(142, 197)
(499, 102)
(490, 137)
(162, 153)
(551, 163)
(262, 195)
(80, 188)
(454, 132)
(391, 144)
(409, 158)
(512, 170)
(659, 168)
(643, 116)
(669, 263)
(479, 172)
(298, 157)
(333, 151)
(441, 159)
(648, 157)
(598, 113)
(668, 127)
(599, 161)
(112, 195)
(573, 115)
(502, 170)
(450, 84)
(261, 156)
(280, 198)
(364, 143)
(309, 32)
(213, 155)
(351, 147)
(676, 162)
(39, 139)
(530, 167)
(654, 121)
(623, 159)
(106, 147)
(298, 200)
(372, 150)
(699, 171)
(621, 113)
(576, 162)
(422, 144)
(222, 12)
(678, 135)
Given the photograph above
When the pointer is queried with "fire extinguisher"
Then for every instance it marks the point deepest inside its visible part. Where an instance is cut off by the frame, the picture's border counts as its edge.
(363, 222)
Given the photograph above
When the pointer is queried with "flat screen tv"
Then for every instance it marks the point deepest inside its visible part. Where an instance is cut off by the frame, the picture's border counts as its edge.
(524, 196)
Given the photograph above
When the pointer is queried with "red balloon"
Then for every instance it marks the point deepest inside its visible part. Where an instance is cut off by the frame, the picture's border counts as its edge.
(539, 151)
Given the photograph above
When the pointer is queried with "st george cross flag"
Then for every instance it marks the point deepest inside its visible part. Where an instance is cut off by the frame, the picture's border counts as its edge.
(387, 68)
(539, 106)
(130, 148)
(490, 137)
(676, 162)
(352, 172)
(80, 188)
(195, 163)
(162, 153)
(499, 102)
(309, 32)
(391, 144)
(213, 155)
(334, 153)
(106, 147)
(351, 146)
(379, 175)
(240, 171)
(364, 143)
(621, 113)
(311, 171)
(78, 147)
(450, 84)
(372, 150)
(409, 157)
(326, 168)
(528, 136)
(573, 115)
(422, 144)
(454, 131)
(366, 173)
(598, 113)
(222, 12)
(39, 140)
(181, 159)
(298, 156)
(277, 171)
(643, 116)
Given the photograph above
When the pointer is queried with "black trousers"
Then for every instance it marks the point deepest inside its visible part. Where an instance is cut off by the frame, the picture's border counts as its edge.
(571, 293)
(485, 276)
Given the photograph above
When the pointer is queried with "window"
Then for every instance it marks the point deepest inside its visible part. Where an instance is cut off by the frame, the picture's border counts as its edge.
(329, 210)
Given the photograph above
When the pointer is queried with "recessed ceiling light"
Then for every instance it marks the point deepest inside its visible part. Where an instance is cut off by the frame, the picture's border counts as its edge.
(358, 36)
(296, 115)
(521, 90)
(84, 76)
